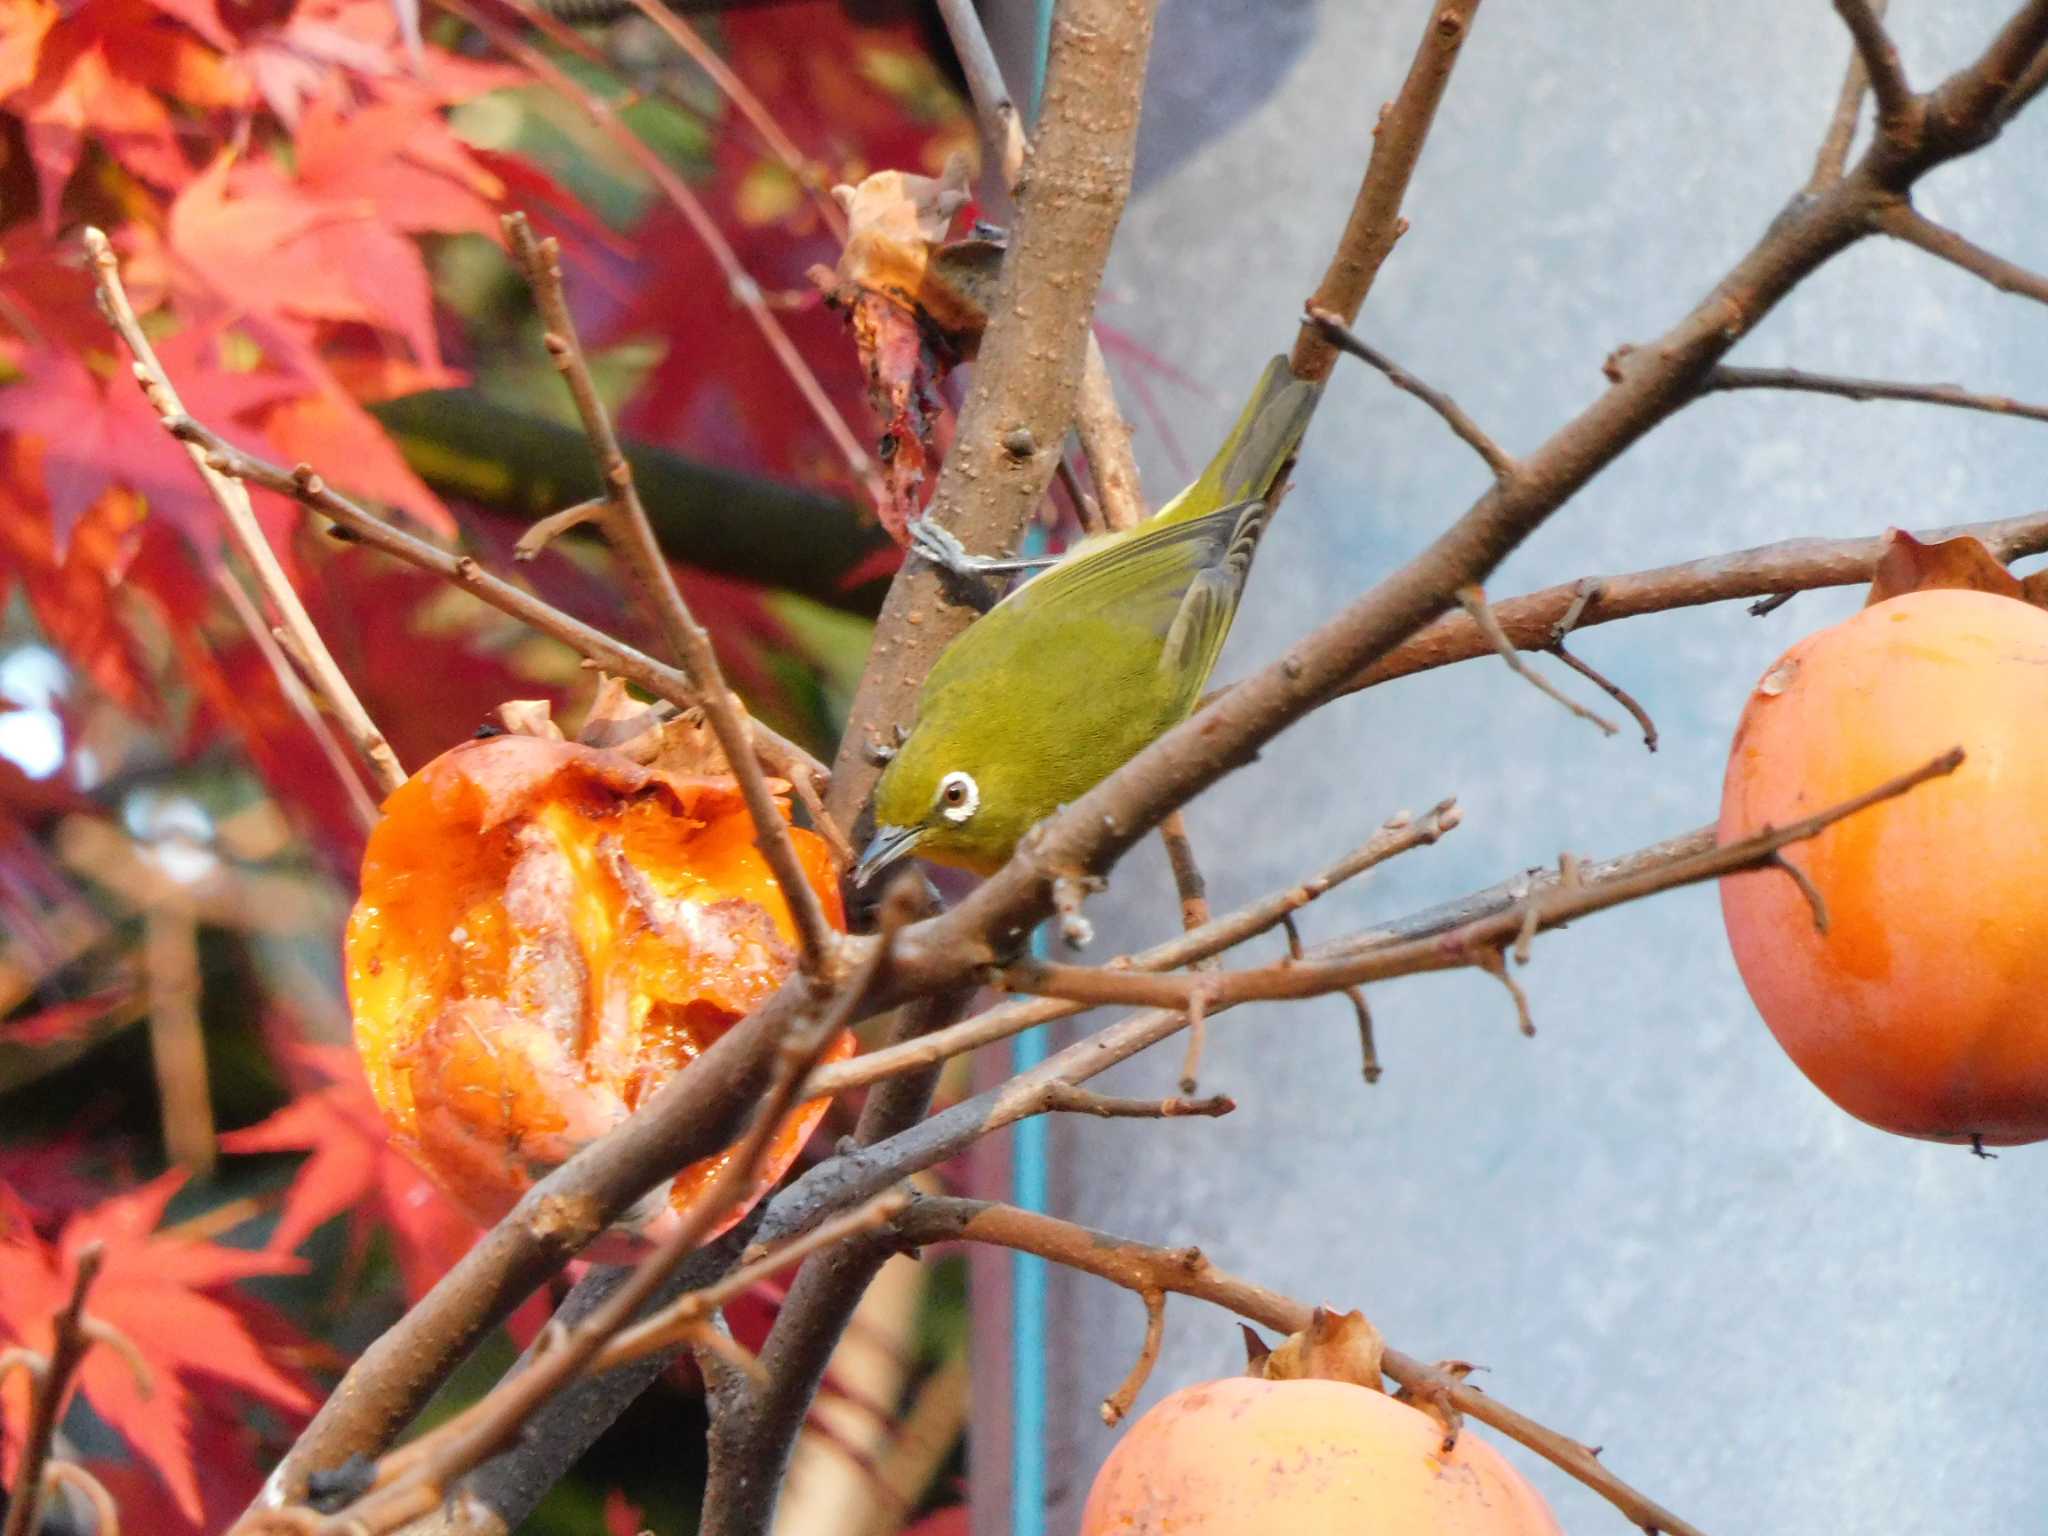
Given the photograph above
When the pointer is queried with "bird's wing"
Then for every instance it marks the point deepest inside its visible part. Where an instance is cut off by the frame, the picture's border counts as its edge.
(1141, 578)
(1201, 624)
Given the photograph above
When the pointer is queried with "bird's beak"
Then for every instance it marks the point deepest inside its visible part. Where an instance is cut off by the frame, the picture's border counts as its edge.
(889, 845)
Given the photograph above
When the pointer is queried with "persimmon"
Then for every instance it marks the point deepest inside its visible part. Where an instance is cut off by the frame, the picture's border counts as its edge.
(1244, 1457)
(1922, 1005)
(548, 932)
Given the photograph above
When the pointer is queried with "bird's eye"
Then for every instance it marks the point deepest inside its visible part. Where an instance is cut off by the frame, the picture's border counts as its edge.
(959, 797)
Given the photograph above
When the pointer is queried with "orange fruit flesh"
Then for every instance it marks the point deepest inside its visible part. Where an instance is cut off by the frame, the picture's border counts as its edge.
(1923, 1009)
(544, 938)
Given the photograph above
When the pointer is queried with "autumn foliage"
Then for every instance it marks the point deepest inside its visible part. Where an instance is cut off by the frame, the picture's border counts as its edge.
(305, 198)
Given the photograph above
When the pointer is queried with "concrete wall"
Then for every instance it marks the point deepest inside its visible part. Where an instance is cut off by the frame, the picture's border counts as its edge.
(1647, 1224)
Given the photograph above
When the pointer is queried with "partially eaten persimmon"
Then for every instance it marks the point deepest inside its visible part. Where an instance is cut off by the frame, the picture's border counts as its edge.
(547, 933)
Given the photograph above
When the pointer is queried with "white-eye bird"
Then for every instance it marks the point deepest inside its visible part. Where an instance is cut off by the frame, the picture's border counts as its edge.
(1076, 671)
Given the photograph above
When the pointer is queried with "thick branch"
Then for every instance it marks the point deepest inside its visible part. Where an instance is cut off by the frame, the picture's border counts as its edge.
(1031, 359)
(1152, 1272)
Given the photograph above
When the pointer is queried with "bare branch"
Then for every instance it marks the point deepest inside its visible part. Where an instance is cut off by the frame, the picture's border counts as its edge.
(1902, 221)
(627, 528)
(1725, 379)
(1469, 945)
(1398, 836)
(1194, 914)
(1769, 570)
(1612, 689)
(1153, 1271)
(52, 1379)
(1376, 222)
(744, 290)
(243, 530)
(1468, 431)
(1066, 1099)
(1105, 435)
(1834, 148)
(1119, 1402)
(1897, 107)
(1473, 600)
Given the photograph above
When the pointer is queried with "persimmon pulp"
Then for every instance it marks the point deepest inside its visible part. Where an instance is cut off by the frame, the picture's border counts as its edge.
(1923, 1007)
(547, 933)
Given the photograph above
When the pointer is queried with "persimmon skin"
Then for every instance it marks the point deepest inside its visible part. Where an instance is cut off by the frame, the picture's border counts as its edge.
(547, 933)
(1923, 1009)
(1243, 1457)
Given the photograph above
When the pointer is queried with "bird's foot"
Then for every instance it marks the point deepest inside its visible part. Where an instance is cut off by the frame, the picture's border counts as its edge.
(973, 577)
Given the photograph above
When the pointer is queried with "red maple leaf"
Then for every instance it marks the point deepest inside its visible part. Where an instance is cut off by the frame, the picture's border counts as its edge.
(171, 1298)
(354, 1169)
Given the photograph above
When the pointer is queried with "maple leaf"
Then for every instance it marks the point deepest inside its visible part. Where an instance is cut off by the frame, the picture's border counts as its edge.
(354, 1169)
(398, 154)
(169, 1296)
(23, 24)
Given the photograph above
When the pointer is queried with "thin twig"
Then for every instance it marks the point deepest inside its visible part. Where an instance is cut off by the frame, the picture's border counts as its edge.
(630, 533)
(243, 529)
(1398, 836)
(1834, 147)
(1468, 945)
(1902, 221)
(804, 171)
(1119, 1402)
(1473, 600)
(1725, 379)
(1468, 431)
(1612, 689)
(1376, 222)
(1194, 914)
(1066, 1099)
(744, 290)
(1188, 1272)
(311, 491)
(1896, 104)
(52, 1380)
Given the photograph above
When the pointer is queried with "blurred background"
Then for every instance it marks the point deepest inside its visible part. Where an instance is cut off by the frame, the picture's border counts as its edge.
(1652, 1232)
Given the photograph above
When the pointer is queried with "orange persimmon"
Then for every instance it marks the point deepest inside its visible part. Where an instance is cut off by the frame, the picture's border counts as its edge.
(1922, 1007)
(1244, 1457)
(547, 933)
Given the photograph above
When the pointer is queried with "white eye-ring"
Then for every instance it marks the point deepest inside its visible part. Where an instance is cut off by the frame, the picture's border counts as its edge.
(959, 797)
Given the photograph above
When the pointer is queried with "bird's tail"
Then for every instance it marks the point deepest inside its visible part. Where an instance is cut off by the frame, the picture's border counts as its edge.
(1259, 446)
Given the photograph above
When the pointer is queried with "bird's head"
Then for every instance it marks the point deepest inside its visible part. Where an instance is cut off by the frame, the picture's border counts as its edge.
(942, 800)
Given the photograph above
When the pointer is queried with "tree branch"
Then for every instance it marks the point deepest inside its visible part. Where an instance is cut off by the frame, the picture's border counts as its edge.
(1902, 221)
(627, 528)
(243, 530)
(1376, 221)
(1031, 360)
(1153, 1272)
(1462, 426)
(1725, 379)
(1896, 103)
(72, 1336)
(1834, 149)
(1793, 565)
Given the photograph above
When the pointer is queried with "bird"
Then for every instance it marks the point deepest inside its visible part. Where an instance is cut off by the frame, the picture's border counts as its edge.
(1078, 669)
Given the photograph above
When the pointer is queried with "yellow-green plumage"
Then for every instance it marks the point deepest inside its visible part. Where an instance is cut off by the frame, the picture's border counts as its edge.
(1078, 670)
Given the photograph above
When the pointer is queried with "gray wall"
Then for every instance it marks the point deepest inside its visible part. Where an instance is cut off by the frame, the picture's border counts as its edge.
(1654, 1232)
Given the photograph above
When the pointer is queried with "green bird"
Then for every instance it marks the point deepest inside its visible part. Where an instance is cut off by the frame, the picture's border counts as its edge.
(1079, 669)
